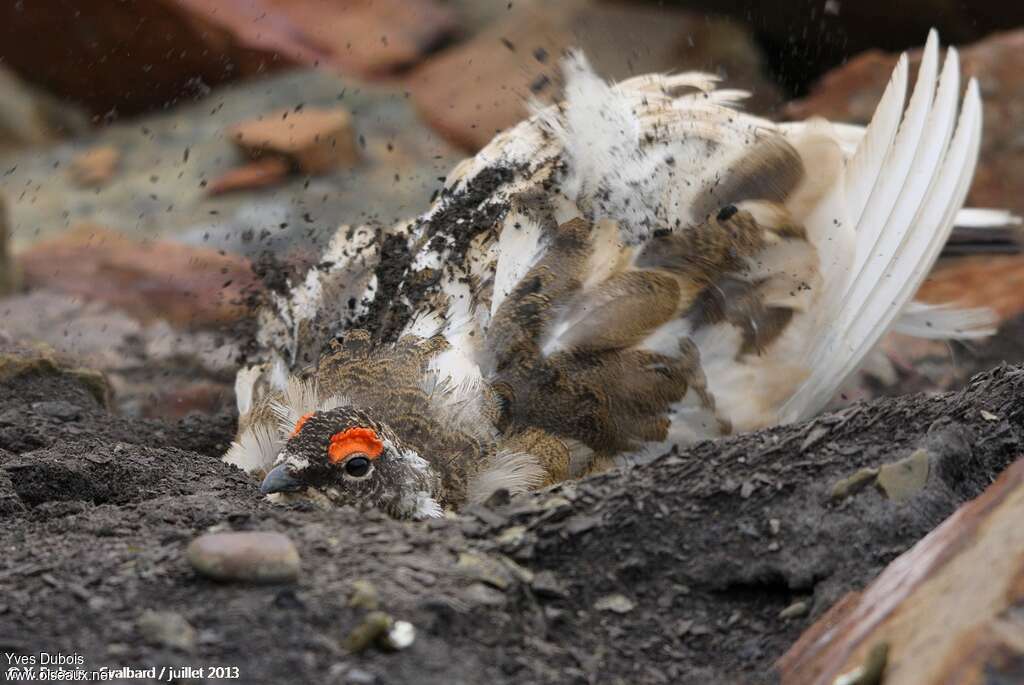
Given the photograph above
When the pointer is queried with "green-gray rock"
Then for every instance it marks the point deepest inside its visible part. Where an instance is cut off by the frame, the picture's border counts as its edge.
(853, 484)
(903, 479)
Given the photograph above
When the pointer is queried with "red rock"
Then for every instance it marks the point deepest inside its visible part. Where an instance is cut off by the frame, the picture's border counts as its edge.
(124, 57)
(315, 141)
(153, 369)
(95, 166)
(188, 286)
(182, 397)
(261, 173)
(472, 90)
(946, 611)
(370, 37)
(851, 92)
(995, 281)
(127, 56)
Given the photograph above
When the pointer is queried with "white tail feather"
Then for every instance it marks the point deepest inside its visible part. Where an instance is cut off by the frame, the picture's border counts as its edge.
(931, 192)
(945, 322)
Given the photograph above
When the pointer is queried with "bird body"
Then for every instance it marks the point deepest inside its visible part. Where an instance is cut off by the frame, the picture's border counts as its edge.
(642, 266)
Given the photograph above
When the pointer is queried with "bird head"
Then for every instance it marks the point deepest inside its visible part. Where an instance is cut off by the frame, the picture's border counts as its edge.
(345, 456)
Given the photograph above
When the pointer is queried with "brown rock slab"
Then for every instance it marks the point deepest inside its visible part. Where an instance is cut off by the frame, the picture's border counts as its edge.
(946, 611)
(850, 93)
(315, 141)
(126, 57)
(994, 281)
(187, 286)
(368, 37)
(474, 89)
(261, 173)
(96, 166)
(153, 370)
(245, 556)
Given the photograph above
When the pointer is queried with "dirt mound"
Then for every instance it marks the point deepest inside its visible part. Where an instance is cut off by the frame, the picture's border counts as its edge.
(702, 567)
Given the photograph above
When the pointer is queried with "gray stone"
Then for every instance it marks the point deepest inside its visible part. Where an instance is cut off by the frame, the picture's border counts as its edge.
(245, 556)
(167, 629)
(620, 604)
(57, 409)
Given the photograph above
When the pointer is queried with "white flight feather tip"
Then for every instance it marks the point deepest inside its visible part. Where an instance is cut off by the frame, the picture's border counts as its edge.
(931, 173)
(946, 322)
(977, 217)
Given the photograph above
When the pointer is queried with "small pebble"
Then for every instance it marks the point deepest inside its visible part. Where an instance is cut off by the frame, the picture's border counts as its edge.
(620, 604)
(364, 596)
(794, 610)
(375, 625)
(358, 676)
(167, 629)
(401, 635)
(245, 556)
(546, 584)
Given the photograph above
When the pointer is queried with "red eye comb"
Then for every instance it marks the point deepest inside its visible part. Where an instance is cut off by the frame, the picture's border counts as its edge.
(301, 422)
(354, 440)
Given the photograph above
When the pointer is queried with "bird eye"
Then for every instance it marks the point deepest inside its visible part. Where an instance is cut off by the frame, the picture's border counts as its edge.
(357, 467)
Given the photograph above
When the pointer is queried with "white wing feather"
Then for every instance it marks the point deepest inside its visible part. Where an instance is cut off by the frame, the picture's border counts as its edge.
(931, 195)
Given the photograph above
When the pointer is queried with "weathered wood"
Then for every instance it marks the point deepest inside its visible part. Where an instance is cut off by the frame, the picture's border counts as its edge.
(949, 610)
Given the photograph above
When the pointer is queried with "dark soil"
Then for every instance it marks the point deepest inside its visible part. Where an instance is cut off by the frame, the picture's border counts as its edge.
(673, 572)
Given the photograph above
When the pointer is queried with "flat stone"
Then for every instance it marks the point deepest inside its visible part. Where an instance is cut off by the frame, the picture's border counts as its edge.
(245, 556)
(853, 484)
(95, 167)
(315, 140)
(480, 86)
(903, 479)
(188, 286)
(478, 593)
(485, 569)
(58, 409)
(794, 610)
(547, 584)
(261, 173)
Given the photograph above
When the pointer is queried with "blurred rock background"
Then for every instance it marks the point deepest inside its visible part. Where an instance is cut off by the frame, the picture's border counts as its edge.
(153, 151)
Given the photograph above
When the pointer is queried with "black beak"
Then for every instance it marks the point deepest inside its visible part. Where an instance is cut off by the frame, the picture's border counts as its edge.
(279, 480)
